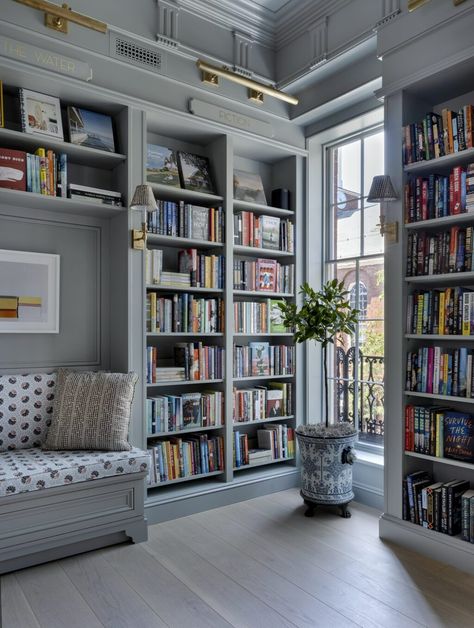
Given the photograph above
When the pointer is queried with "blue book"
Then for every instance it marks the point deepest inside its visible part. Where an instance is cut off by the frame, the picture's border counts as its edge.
(459, 436)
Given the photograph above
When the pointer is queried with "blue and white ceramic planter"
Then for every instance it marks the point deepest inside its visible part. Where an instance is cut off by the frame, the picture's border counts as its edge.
(326, 471)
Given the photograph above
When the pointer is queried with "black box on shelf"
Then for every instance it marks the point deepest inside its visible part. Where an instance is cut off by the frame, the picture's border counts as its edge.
(281, 198)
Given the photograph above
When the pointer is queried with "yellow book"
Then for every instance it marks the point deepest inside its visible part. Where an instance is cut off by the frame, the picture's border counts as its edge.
(442, 297)
(439, 435)
(419, 319)
(207, 272)
(43, 171)
(466, 314)
(152, 296)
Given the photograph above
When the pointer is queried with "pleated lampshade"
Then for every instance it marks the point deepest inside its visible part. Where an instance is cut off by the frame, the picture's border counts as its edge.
(381, 189)
(144, 199)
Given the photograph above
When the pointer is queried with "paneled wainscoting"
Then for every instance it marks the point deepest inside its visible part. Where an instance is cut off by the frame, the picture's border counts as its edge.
(258, 563)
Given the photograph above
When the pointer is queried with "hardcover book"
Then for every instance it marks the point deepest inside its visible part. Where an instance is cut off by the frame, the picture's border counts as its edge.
(270, 232)
(248, 187)
(274, 403)
(266, 274)
(162, 166)
(12, 169)
(195, 173)
(259, 352)
(91, 129)
(191, 410)
(459, 436)
(40, 114)
(200, 222)
(276, 317)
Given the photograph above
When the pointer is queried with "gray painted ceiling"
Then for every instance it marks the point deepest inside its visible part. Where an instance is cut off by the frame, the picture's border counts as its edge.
(272, 5)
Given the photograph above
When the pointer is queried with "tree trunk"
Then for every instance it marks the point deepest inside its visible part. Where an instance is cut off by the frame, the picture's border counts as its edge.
(326, 396)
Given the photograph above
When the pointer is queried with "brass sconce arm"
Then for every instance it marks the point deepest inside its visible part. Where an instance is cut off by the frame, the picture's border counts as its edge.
(57, 17)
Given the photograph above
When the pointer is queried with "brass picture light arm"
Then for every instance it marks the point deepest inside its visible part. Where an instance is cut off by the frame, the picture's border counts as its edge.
(57, 17)
(210, 71)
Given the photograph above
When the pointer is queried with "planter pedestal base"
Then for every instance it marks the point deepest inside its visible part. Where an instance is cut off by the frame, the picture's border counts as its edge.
(311, 506)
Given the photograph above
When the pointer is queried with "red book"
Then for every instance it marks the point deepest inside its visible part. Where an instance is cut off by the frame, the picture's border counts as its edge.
(457, 176)
(12, 169)
(451, 194)
(424, 199)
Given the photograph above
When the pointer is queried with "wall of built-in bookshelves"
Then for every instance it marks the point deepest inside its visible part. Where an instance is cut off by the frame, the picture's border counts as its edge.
(439, 320)
(221, 397)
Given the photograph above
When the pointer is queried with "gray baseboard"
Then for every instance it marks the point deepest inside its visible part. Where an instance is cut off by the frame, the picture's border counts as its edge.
(158, 509)
(447, 549)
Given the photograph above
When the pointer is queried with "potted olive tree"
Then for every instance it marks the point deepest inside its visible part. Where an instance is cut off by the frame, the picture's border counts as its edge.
(327, 448)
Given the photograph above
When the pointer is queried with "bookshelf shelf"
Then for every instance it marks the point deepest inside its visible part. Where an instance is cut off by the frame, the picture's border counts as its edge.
(445, 337)
(448, 461)
(262, 464)
(176, 242)
(262, 209)
(445, 162)
(449, 398)
(199, 476)
(168, 193)
(178, 334)
(261, 378)
(445, 278)
(274, 419)
(444, 221)
(185, 382)
(77, 153)
(183, 289)
(191, 430)
(258, 252)
(273, 334)
(31, 200)
(267, 295)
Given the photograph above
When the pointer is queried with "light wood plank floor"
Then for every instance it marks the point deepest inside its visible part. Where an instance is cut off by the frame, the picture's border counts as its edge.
(256, 564)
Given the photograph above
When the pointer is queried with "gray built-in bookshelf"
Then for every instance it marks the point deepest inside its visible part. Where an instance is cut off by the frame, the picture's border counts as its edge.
(279, 167)
(431, 94)
(103, 282)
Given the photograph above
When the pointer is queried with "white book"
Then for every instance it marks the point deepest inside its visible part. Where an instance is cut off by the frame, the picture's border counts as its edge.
(436, 362)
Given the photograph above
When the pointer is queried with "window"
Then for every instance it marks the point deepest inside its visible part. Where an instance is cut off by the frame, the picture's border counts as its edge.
(354, 255)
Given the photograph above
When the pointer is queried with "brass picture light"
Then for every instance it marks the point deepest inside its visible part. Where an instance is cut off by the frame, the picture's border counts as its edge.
(57, 17)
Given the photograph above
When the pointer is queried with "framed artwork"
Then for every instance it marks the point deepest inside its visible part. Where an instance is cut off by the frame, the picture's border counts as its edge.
(29, 292)
(2, 115)
(162, 166)
(91, 129)
(41, 114)
(248, 187)
(195, 173)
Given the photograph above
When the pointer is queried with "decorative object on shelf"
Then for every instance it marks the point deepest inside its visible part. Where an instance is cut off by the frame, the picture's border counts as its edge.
(90, 128)
(195, 173)
(211, 73)
(248, 187)
(281, 198)
(2, 115)
(13, 169)
(326, 450)
(144, 201)
(40, 114)
(29, 292)
(162, 165)
(381, 191)
(58, 17)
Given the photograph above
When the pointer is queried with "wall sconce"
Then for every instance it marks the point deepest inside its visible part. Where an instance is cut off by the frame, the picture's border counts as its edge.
(382, 191)
(143, 200)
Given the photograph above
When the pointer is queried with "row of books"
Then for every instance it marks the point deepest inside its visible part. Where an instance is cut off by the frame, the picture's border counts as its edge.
(184, 313)
(438, 134)
(448, 251)
(440, 371)
(187, 221)
(268, 232)
(261, 358)
(184, 457)
(262, 402)
(192, 362)
(171, 413)
(439, 432)
(263, 275)
(436, 196)
(252, 317)
(444, 312)
(195, 270)
(43, 172)
(274, 442)
(447, 507)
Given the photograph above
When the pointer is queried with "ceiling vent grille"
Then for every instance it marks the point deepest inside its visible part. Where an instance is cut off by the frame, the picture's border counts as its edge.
(137, 54)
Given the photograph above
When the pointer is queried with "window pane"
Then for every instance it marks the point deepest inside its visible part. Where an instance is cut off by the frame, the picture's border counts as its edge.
(373, 241)
(372, 276)
(346, 171)
(346, 230)
(373, 159)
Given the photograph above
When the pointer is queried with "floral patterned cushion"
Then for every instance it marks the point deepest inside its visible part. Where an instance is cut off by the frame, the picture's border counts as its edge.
(26, 407)
(35, 469)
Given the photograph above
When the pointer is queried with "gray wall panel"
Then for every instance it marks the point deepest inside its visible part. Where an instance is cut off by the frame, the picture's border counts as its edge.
(82, 336)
